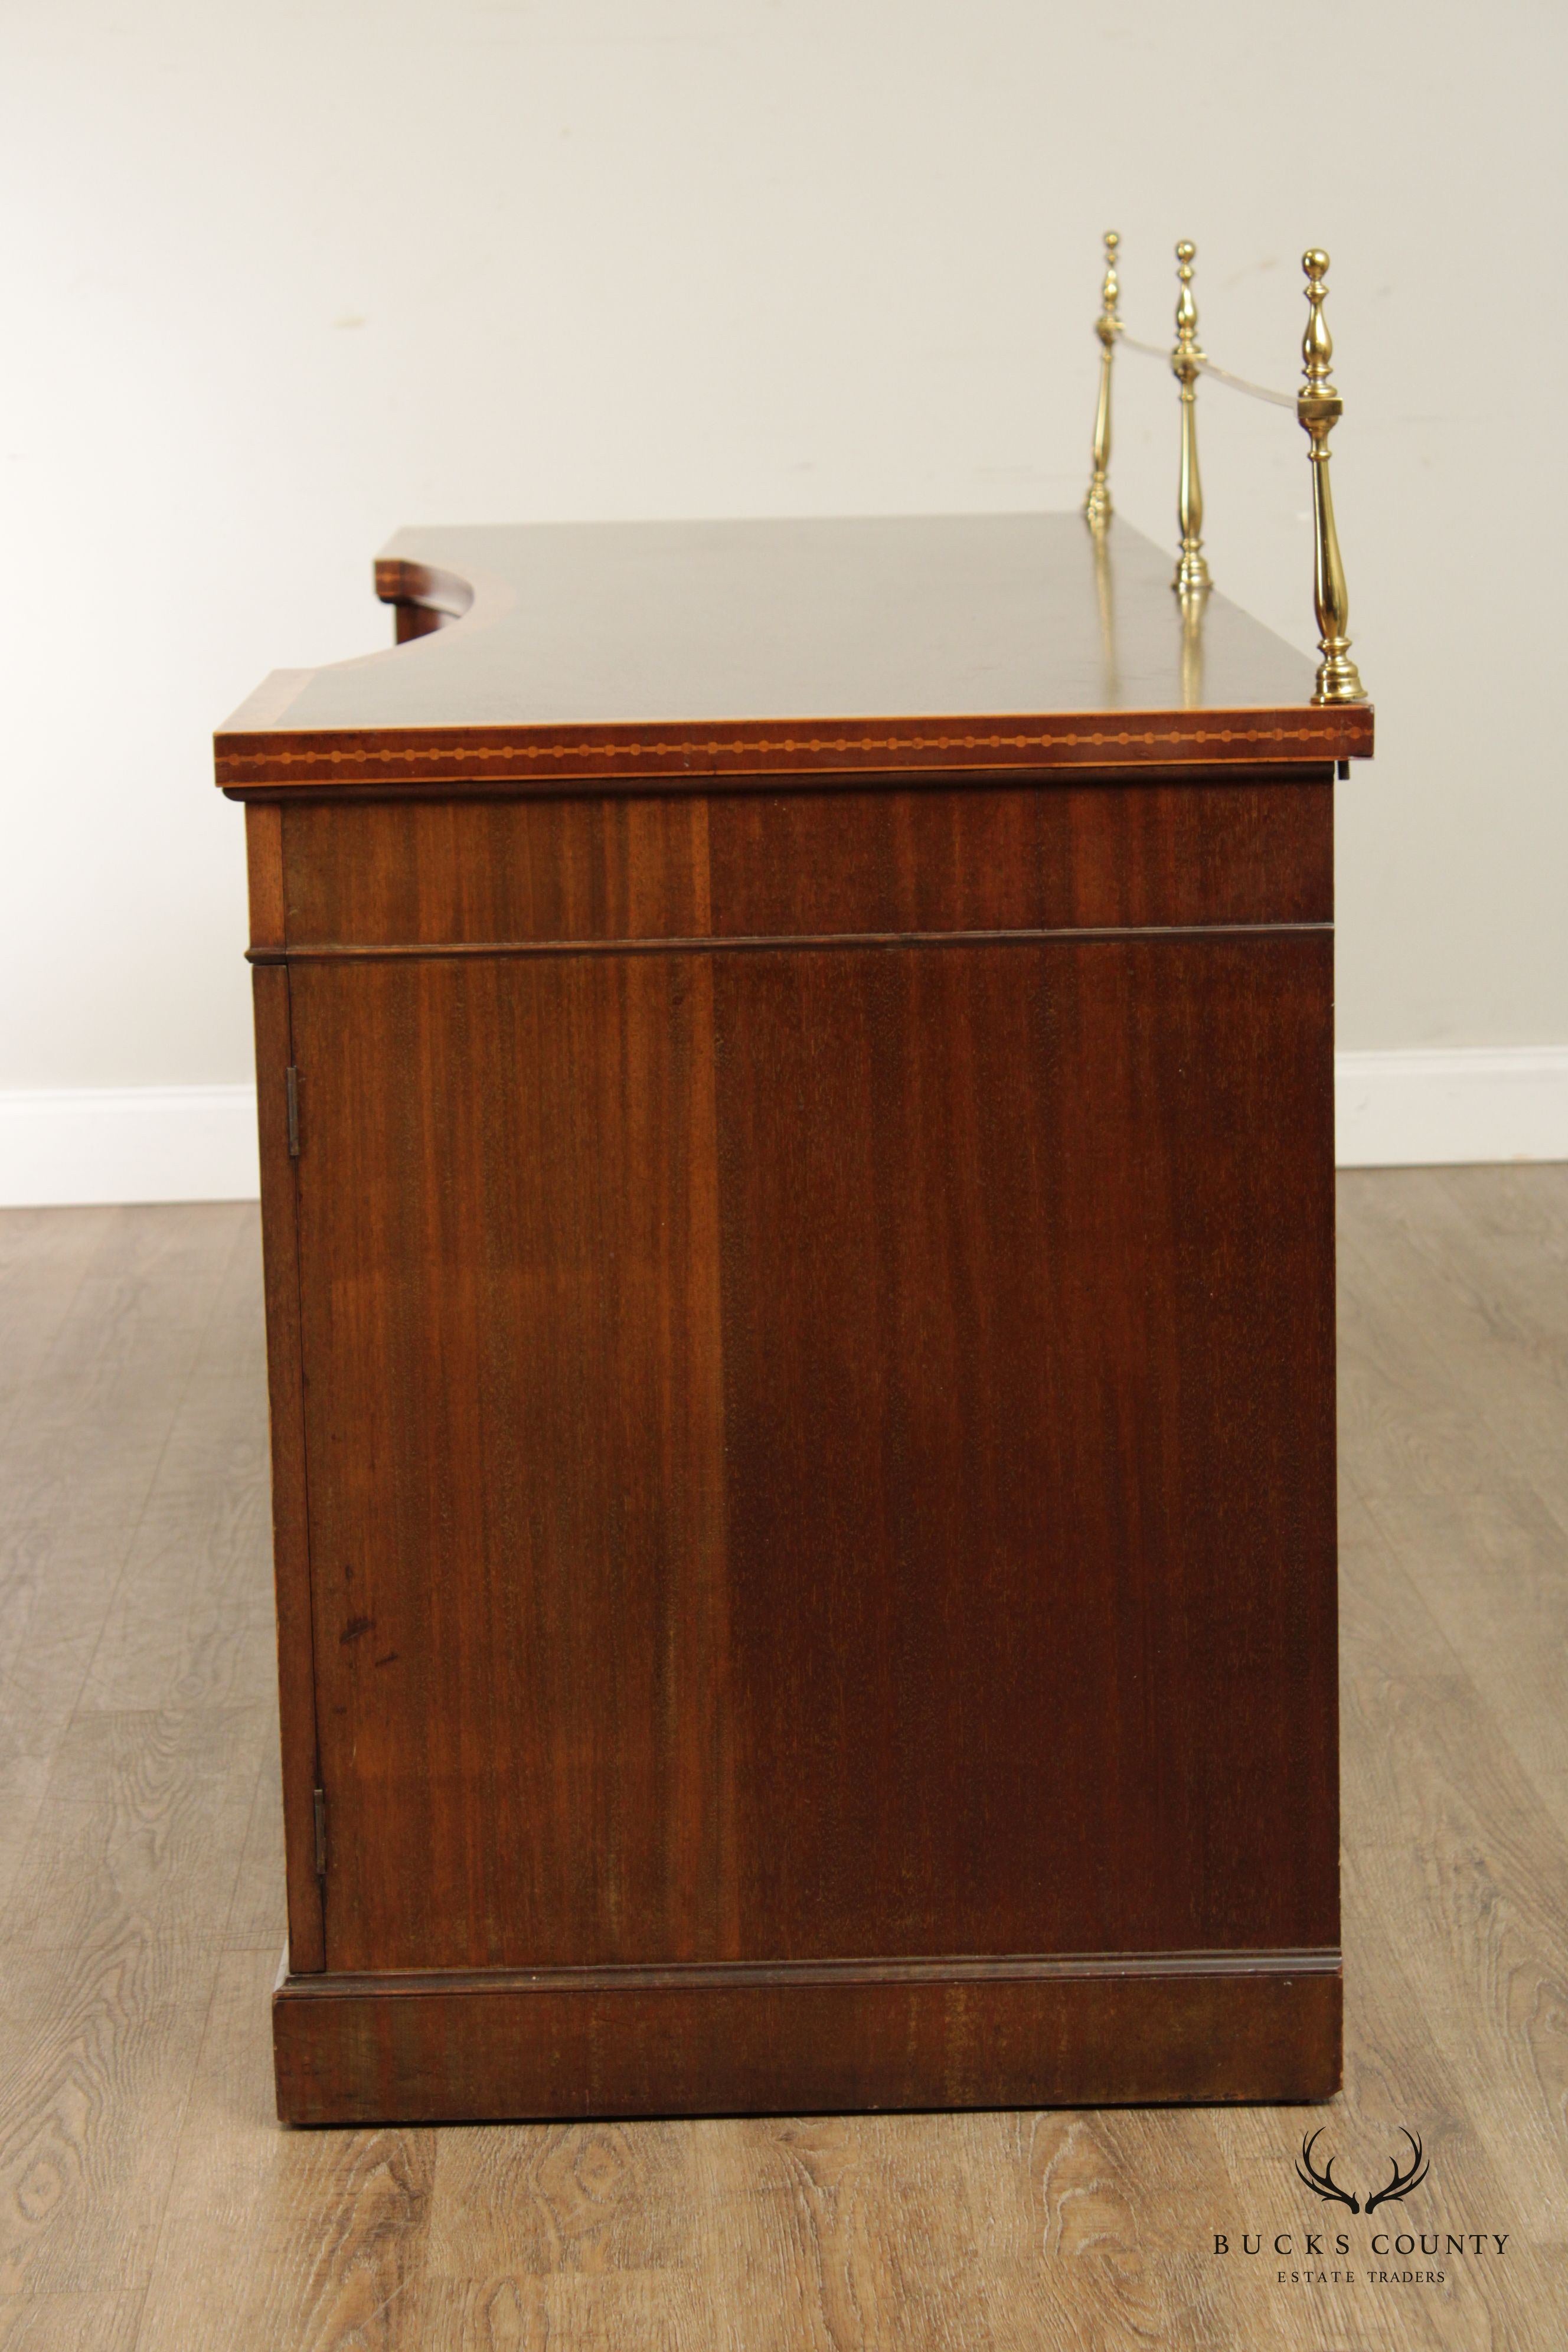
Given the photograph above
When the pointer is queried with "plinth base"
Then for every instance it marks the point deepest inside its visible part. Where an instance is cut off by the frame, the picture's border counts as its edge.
(738, 2039)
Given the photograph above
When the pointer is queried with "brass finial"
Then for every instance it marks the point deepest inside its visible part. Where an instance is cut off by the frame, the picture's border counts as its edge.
(1319, 408)
(1192, 572)
(1108, 326)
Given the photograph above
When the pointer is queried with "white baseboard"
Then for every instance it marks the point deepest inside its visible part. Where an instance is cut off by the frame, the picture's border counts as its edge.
(63, 1146)
(78, 1146)
(1437, 1106)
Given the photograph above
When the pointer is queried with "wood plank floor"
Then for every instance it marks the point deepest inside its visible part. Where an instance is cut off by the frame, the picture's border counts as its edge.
(149, 2200)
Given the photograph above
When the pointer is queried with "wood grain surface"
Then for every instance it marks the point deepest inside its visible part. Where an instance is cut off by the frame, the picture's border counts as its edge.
(573, 2042)
(149, 2202)
(678, 652)
(426, 874)
(804, 1406)
(768, 1668)
(812, 1344)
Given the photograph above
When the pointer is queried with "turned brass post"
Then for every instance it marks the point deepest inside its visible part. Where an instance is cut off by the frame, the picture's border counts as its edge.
(1192, 572)
(1108, 326)
(1105, 593)
(1192, 610)
(1319, 408)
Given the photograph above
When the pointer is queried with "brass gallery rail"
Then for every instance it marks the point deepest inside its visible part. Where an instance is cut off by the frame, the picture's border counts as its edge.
(1318, 408)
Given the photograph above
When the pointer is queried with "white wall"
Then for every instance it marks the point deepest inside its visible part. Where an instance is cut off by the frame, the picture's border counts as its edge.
(279, 279)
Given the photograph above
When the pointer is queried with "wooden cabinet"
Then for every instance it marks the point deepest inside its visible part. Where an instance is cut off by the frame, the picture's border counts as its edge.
(800, 1261)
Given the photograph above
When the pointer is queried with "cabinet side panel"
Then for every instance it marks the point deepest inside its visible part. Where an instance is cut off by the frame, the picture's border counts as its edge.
(1205, 850)
(1029, 1360)
(427, 872)
(823, 1452)
(783, 861)
(291, 1528)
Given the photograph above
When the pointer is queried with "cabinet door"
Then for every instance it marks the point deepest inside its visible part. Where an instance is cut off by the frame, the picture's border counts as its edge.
(821, 1451)
(507, 1248)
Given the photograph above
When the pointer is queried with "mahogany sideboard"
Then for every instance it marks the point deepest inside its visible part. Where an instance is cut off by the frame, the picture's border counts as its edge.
(795, 1070)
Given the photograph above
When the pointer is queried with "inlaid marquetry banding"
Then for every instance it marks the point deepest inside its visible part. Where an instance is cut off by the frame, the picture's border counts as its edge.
(257, 760)
(789, 745)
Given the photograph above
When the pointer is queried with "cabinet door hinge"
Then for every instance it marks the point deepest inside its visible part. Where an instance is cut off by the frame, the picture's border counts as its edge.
(320, 1833)
(292, 1078)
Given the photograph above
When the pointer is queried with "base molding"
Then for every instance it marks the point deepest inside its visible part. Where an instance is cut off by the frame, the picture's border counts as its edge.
(1435, 1107)
(79, 1147)
(732, 2038)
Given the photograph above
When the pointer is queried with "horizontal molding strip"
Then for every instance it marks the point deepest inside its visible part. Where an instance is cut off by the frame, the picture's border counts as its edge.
(636, 753)
(797, 943)
(80, 1145)
(719, 1975)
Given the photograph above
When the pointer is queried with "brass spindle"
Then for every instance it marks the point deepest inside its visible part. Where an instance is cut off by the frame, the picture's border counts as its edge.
(1108, 326)
(1192, 572)
(1105, 591)
(1318, 407)
(1192, 612)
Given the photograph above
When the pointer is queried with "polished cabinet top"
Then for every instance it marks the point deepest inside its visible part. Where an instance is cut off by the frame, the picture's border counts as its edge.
(622, 653)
